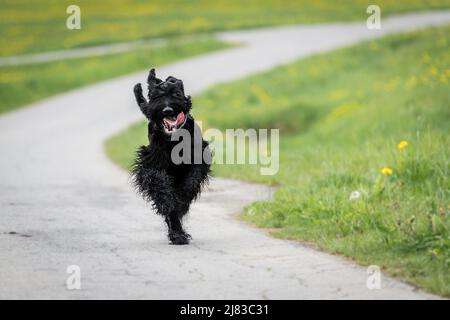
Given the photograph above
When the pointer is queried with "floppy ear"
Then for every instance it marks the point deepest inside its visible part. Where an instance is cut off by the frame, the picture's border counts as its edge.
(181, 85)
(152, 81)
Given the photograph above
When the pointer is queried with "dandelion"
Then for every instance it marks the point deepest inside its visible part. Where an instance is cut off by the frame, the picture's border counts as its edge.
(434, 71)
(354, 195)
(262, 95)
(402, 145)
(386, 171)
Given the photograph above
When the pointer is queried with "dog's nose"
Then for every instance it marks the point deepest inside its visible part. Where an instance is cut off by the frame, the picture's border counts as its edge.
(167, 111)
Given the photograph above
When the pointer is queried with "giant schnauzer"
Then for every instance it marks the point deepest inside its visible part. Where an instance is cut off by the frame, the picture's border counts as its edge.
(169, 185)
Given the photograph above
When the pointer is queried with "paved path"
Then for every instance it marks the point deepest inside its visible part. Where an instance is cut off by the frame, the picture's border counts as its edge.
(93, 51)
(63, 203)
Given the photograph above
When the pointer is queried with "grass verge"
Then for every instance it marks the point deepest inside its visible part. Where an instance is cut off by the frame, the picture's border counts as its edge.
(342, 117)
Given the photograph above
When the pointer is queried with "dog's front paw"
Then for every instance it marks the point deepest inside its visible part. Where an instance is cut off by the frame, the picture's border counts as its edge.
(187, 235)
(139, 96)
(179, 237)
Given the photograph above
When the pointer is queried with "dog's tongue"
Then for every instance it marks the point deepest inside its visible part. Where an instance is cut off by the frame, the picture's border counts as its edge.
(180, 119)
(175, 123)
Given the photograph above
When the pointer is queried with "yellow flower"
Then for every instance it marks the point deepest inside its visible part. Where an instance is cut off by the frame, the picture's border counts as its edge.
(402, 145)
(434, 71)
(386, 171)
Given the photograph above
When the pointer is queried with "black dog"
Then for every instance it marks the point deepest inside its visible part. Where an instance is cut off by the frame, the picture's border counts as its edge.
(170, 186)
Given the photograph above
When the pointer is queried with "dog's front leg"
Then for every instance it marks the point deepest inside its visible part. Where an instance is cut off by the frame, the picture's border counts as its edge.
(186, 191)
(177, 235)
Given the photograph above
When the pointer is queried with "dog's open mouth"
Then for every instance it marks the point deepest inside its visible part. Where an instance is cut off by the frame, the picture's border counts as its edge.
(171, 124)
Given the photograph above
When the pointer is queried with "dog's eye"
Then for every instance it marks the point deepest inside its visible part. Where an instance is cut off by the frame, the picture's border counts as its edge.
(178, 95)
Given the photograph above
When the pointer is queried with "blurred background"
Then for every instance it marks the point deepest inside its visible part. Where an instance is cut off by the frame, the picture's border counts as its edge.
(371, 118)
(186, 26)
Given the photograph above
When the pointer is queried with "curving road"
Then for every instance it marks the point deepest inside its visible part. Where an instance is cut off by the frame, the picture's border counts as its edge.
(63, 203)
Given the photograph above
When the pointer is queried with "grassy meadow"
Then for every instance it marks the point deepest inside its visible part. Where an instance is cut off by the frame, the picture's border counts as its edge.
(28, 26)
(364, 151)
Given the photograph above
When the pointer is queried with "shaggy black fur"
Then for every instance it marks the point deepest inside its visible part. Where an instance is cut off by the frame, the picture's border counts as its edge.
(170, 187)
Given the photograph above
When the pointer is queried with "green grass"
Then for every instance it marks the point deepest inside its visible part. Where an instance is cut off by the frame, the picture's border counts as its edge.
(34, 26)
(22, 85)
(342, 115)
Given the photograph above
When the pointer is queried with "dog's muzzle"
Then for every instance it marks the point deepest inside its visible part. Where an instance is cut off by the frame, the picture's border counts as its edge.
(171, 124)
